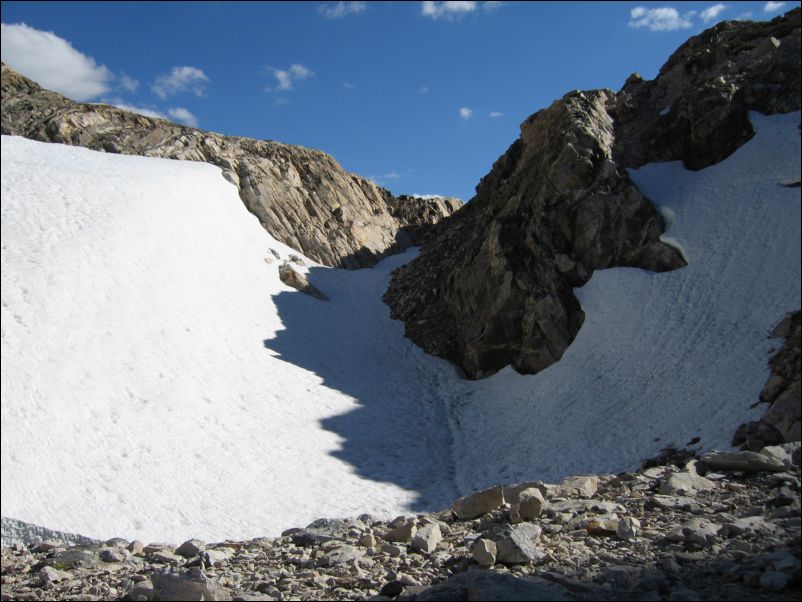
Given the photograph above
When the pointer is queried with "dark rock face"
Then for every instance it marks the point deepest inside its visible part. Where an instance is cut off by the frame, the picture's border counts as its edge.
(301, 196)
(696, 110)
(781, 422)
(494, 284)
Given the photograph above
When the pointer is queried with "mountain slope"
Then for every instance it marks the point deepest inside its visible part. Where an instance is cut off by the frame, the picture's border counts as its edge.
(301, 196)
(494, 286)
(160, 382)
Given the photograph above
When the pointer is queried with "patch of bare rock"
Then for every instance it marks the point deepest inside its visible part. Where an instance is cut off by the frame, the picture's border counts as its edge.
(301, 196)
(725, 527)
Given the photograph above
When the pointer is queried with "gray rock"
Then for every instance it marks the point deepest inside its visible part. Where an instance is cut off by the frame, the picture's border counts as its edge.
(686, 483)
(628, 528)
(216, 557)
(47, 545)
(114, 555)
(745, 461)
(298, 281)
(529, 505)
(48, 574)
(492, 587)
(672, 502)
(584, 486)
(190, 548)
(484, 552)
(515, 544)
(341, 554)
(479, 503)
(135, 547)
(427, 538)
(392, 550)
(402, 533)
(368, 541)
(192, 584)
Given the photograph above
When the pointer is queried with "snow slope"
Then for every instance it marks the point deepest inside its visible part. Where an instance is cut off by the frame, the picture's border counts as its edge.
(661, 358)
(138, 395)
(160, 382)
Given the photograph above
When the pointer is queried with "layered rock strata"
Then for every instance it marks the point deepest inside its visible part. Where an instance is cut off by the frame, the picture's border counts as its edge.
(301, 196)
(494, 285)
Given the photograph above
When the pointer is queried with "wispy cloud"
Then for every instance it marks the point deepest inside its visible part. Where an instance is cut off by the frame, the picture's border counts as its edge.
(465, 113)
(349, 85)
(180, 80)
(496, 114)
(712, 12)
(182, 115)
(447, 10)
(129, 84)
(454, 11)
(665, 18)
(52, 62)
(286, 78)
(423, 90)
(771, 7)
(341, 9)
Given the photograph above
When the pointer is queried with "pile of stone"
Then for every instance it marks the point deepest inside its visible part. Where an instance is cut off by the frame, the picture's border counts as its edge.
(725, 526)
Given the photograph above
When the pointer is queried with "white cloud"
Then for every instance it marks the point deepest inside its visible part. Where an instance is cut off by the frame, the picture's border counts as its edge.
(52, 62)
(349, 85)
(286, 78)
(771, 7)
(492, 6)
(712, 12)
(129, 84)
(447, 10)
(495, 114)
(181, 79)
(147, 112)
(423, 90)
(341, 9)
(182, 115)
(465, 113)
(664, 18)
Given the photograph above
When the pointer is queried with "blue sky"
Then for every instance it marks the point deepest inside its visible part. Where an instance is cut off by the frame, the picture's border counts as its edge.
(422, 97)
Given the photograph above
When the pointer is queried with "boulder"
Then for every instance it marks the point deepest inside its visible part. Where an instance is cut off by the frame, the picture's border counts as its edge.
(479, 503)
(745, 461)
(427, 538)
(515, 544)
(191, 584)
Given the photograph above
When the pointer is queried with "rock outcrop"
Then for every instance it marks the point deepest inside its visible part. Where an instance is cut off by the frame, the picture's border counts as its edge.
(737, 539)
(301, 196)
(493, 287)
(781, 421)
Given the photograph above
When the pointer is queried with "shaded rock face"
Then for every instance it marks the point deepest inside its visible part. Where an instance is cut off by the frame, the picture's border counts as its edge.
(301, 196)
(781, 421)
(493, 286)
(696, 109)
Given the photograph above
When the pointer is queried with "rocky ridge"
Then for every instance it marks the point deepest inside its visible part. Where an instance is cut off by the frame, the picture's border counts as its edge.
(301, 196)
(494, 285)
(725, 527)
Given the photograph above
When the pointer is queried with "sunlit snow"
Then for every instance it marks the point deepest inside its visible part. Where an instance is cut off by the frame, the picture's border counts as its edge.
(160, 382)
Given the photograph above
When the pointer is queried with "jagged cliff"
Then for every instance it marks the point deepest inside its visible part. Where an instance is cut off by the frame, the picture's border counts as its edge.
(494, 285)
(301, 196)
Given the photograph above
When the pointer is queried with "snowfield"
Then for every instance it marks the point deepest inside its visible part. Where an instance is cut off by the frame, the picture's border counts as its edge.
(159, 382)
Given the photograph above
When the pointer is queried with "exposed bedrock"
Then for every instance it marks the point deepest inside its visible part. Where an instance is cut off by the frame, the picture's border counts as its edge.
(493, 286)
(301, 196)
